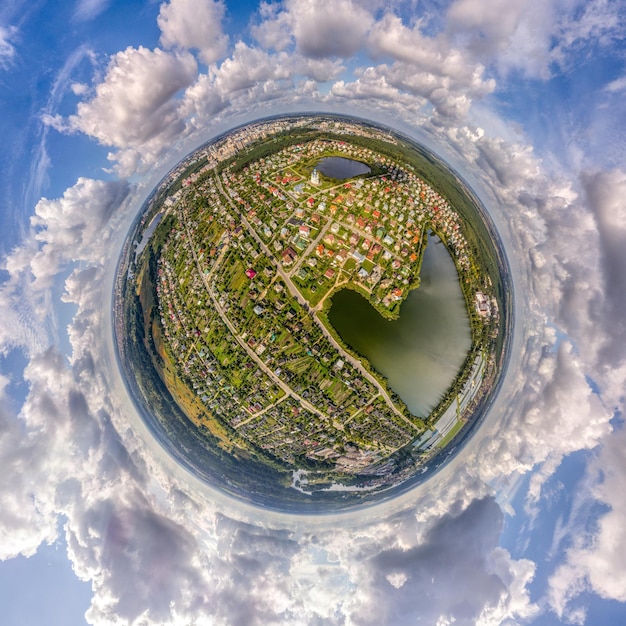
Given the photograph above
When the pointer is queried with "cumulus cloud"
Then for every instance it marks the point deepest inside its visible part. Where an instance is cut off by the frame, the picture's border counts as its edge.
(593, 562)
(317, 31)
(71, 227)
(530, 38)
(372, 85)
(23, 524)
(555, 409)
(63, 457)
(250, 77)
(247, 67)
(320, 32)
(514, 36)
(273, 32)
(190, 24)
(457, 574)
(606, 192)
(428, 67)
(134, 108)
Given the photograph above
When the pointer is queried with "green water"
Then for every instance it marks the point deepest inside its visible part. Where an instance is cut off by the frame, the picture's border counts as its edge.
(422, 351)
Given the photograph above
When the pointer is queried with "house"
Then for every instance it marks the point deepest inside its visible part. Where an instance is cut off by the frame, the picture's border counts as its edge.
(289, 256)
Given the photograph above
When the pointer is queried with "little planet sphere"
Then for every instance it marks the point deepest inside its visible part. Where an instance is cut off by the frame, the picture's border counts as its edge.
(312, 313)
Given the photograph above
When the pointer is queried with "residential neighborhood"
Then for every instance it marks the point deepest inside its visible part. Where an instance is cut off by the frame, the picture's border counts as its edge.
(250, 254)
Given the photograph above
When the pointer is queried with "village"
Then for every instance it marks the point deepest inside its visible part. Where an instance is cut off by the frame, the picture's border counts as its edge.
(246, 274)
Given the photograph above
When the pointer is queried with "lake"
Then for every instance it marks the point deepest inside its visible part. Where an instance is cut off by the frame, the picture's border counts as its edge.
(340, 168)
(422, 351)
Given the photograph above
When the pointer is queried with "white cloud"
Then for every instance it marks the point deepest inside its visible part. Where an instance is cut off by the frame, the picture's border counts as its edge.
(372, 85)
(599, 22)
(594, 561)
(273, 32)
(551, 409)
(250, 77)
(73, 227)
(617, 85)
(193, 24)
(605, 191)
(455, 573)
(321, 31)
(390, 37)
(90, 9)
(247, 67)
(202, 101)
(24, 525)
(532, 37)
(428, 67)
(25, 325)
(509, 35)
(69, 229)
(7, 49)
(134, 109)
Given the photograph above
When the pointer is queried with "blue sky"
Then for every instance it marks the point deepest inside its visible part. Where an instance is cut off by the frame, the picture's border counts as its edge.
(526, 100)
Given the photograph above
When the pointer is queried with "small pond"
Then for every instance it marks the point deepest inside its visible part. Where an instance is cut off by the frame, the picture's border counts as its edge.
(340, 168)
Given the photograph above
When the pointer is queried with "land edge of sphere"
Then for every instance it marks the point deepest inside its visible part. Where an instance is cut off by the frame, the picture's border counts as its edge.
(198, 448)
